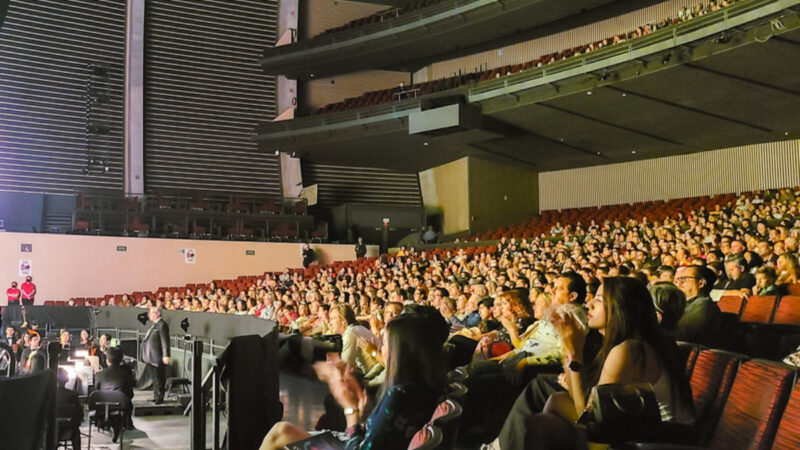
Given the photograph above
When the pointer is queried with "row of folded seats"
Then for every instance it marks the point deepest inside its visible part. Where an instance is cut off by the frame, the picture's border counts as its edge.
(654, 211)
(761, 326)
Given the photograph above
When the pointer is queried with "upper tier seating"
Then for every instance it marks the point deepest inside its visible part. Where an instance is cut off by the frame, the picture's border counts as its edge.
(388, 95)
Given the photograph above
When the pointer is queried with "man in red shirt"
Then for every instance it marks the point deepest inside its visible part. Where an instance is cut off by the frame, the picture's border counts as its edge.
(13, 294)
(28, 291)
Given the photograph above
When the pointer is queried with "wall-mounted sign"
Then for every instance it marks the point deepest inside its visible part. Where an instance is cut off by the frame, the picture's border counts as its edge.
(25, 267)
(250, 252)
(122, 248)
(189, 255)
(26, 248)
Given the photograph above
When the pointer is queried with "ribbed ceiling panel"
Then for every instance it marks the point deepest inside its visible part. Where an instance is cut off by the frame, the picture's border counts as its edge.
(46, 47)
(204, 94)
(342, 184)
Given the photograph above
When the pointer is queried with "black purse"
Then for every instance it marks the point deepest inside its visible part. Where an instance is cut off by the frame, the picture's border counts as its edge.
(624, 404)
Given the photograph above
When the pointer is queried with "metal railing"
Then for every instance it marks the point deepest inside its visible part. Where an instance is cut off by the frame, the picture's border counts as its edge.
(707, 25)
(410, 20)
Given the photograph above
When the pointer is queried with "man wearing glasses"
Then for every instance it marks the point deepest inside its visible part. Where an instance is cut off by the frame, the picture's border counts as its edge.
(698, 323)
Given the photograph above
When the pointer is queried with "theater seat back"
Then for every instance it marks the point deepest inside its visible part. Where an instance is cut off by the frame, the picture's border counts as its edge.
(754, 406)
(731, 304)
(788, 435)
(759, 309)
(711, 381)
(788, 311)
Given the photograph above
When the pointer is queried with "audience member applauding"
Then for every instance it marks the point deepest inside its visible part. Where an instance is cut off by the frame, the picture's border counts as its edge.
(415, 380)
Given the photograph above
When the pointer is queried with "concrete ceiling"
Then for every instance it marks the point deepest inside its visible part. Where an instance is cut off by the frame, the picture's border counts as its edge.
(749, 94)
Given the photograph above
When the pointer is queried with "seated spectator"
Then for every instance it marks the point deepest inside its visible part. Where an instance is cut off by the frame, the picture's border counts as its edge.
(115, 377)
(415, 380)
(343, 321)
(765, 282)
(635, 350)
(738, 278)
(669, 302)
(788, 269)
(699, 320)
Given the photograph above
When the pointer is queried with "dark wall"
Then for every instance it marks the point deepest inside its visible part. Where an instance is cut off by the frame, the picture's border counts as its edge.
(204, 94)
(46, 48)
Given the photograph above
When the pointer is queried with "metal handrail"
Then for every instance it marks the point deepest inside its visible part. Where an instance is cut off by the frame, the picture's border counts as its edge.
(671, 33)
(456, 6)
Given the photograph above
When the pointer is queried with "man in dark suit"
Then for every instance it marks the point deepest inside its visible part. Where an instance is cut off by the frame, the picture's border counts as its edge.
(116, 377)
(155, 353)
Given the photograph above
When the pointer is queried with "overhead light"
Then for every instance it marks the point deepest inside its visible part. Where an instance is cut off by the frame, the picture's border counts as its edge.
(785, 133)
(311, 75)
(598, 153)
(624, 94)
(277, 152)
(425, 143)
(666, 58)
(588, 92)
(723, 38)
(633, 152)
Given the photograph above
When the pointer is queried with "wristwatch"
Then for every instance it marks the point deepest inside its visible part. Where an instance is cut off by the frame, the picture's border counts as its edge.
(575, 366)
(350, 411)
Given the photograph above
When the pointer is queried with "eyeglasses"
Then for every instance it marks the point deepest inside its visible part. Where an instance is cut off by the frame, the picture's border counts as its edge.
(682, 279)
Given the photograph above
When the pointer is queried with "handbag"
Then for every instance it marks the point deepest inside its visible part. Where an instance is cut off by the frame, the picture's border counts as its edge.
(624, 404)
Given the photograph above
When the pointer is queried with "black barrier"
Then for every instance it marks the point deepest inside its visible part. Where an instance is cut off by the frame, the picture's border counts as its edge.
(27, 418)
(219, 327)
(69, 317)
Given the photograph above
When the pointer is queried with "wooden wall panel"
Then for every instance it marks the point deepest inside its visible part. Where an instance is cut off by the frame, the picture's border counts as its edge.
(736, 169)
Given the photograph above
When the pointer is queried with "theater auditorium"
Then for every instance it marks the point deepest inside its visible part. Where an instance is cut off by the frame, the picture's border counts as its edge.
(399, 224)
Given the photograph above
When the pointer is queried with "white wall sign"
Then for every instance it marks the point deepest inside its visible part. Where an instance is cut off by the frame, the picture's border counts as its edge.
(25, 267)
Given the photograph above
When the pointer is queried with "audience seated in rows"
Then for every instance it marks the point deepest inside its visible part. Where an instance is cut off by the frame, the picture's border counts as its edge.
(517, 305)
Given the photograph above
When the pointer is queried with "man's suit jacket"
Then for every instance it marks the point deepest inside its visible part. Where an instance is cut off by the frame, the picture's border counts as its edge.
(155, 345)
(117, 378)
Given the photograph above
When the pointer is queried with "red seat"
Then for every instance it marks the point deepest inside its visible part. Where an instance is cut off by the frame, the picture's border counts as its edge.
(758, 309)
(753, 409)
(689, 352)
(788, 311)
(788, 435)
(731, 304)
(711, 380)
(793, 289)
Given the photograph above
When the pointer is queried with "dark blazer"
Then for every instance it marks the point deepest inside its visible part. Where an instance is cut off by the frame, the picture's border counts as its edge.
(155, 345)
(117, 378)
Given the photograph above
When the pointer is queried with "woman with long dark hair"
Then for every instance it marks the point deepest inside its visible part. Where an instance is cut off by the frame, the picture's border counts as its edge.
(635, 350)
(415, 380)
